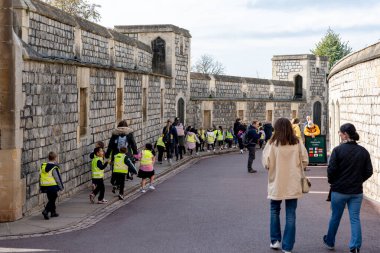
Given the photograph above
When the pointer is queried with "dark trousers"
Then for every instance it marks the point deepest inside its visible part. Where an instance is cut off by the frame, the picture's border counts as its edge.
(210, 146)
(229, 142)
(52, 197)
(241, 145)
(181, 151)
(168, 150)
(161, 151)
(120, 181)
(99, 187)
(198, 147)
(251, 156)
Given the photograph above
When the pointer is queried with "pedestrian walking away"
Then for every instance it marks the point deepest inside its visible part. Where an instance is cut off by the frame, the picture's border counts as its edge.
(239, 130)
(97, 168)
(160, 148)
(191, 140)
(284, 157)
(146, 169)
(51, 184)
(251, 138)
(122, 166)
(349, 167)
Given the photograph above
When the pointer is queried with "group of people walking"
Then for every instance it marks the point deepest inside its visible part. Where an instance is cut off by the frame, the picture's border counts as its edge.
(284, 157)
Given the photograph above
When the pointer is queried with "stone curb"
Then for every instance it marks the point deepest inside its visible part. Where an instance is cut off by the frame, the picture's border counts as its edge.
(131, 194)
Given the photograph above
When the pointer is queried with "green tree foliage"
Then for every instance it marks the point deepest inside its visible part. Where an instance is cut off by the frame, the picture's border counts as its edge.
(81, 8)
(332, 46)
(207, 64)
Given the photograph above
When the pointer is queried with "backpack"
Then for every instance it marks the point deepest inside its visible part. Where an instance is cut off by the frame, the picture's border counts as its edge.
(122, 141)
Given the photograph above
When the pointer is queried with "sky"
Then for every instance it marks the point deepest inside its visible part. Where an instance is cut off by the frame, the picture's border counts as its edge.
(244, 34)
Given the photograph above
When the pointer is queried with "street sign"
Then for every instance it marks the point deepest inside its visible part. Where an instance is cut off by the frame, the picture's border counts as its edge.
(316, 149)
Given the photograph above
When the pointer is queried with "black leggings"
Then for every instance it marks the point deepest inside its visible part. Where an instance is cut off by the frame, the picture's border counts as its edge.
(99, 187)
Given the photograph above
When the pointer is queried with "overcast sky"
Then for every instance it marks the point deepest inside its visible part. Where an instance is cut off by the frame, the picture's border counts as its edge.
(245, 34)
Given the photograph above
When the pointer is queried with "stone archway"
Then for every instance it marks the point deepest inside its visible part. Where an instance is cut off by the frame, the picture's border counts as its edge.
(298, 87)
(317, 113)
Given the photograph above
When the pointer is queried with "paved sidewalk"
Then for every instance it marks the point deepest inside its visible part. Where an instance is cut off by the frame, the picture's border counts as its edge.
(78, 213)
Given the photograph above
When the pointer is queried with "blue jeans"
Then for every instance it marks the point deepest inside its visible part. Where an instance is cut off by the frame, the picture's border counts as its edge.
(290, 225)
(338, 202)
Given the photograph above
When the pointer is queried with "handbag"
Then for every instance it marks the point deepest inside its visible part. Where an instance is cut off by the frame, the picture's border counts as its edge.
(305, 182)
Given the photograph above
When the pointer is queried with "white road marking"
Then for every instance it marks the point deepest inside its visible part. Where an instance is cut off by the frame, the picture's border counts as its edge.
(319, 192)
(318, 177)
(5, 250)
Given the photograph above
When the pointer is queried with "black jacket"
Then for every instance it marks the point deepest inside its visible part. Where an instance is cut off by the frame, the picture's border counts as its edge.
(349, 167)
(112, 149)
(253, 136)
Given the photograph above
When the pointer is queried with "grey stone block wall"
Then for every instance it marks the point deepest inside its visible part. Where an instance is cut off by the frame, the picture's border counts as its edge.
(124, 55)
(283, 68)
(182, 49)
(50, 38)
(95, 49)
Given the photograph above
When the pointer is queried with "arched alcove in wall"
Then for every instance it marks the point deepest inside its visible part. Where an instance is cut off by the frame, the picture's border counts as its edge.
(298, 86)
(159, 55)
(332, 125)
(181, 110)
(317, 113)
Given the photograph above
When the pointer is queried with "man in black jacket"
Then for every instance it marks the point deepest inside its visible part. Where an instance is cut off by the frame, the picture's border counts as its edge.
(251, 138)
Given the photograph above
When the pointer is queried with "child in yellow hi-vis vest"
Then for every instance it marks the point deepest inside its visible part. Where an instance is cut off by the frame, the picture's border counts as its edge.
(122, 165)
(191, 140)
(210, 137)
(146, 169)
(160, 148)
(97, 170)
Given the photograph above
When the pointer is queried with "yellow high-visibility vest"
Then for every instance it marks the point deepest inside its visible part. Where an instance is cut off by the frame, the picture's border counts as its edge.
(46, 178)
(146, 157)
(160, 142)
(210, 138)
(191, 138)
(96, 172)
(202, 134)
(229, 135)
(220, 135)
(119, 166)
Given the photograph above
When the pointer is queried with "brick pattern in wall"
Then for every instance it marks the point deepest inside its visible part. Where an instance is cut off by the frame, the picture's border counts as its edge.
(95, 49)
(182, 61)
(51, 38)
(283, 68)
(124, 55)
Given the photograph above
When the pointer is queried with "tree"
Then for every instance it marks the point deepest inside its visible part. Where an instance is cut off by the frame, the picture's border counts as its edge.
(80, 8)
(332, 46)
(206, 64)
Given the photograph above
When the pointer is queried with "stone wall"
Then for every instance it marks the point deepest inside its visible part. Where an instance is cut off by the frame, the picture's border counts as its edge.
(229, 97)
(64, 55)
(354, 88)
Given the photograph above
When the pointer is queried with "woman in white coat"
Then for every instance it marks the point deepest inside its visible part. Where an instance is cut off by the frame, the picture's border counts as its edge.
(285, 158)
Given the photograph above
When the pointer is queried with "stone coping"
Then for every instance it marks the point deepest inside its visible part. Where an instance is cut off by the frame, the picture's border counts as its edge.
(298, 57)
(241, 99)
(152, 29)
(238, 79)
(366, 54)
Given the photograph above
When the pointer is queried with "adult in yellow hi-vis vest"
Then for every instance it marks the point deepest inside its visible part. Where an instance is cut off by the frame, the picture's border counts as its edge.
(97, 170)
(146, 170)
(50, 183)
(122, 165)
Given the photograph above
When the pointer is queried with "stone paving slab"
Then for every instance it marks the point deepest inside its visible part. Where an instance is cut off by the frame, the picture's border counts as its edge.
(77, 213)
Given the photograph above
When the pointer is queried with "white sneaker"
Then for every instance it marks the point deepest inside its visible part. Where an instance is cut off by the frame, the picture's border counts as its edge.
(275, 245)
(152, 187)
(208, 150)
(214, 150)
(284, 251)
(241, 151)
(143, 191)
(197, 153)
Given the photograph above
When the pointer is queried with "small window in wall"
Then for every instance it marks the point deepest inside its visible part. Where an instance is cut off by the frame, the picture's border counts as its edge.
(162, 103)
(206, 119)
(83, 112)
(294, 114)
(181, 47)
(269, 116)
(241, 114)
(181, 110)
(159, 54)
(119, 104)
(298, 87)
(144, 104)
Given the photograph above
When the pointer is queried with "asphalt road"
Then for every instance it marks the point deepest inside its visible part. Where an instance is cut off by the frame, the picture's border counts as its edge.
(212, 206)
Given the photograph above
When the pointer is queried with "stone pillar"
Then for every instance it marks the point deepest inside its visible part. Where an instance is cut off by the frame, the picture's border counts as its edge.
(12, 187)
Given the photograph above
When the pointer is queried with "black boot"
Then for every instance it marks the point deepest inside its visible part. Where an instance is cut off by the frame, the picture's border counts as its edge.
(45, 214)
(54, 214)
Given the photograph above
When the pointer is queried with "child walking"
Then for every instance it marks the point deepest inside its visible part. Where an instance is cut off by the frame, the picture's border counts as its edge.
(146, 170)
(50, 183)
(122, 165)
(97, 167)
(161, 148)
(210, 136)
(220, 137)
(191, 140)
